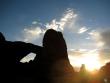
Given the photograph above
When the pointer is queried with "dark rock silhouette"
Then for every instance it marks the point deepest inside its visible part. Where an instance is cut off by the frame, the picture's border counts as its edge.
(16, 49)
(2, 38)
(11, 54)
(83, 77)
(83, 69)
(54, 63)
(105, 72)
(51, 64)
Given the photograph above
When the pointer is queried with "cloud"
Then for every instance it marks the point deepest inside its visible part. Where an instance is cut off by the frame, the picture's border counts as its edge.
(66, 21)
(88, 38)
(105, 37)
(105, 50)
(96, 36)
(32, 34)
(105, 53)
(102, 41)
(34, 22)
(102, 38)
(52, 25)
(82, 30)
(77, 52)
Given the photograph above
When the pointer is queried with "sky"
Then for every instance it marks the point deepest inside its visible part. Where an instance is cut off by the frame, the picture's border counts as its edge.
(85, 25)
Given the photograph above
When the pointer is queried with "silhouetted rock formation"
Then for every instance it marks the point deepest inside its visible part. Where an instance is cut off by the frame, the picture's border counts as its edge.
(83, 77)
(16, 50)
(51, 64)
(105, 72)
(2, 38)
(11, 54)
(54, 62)
(83, 69)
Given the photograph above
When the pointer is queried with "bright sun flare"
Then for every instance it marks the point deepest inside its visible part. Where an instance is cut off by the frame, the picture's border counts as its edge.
(91, 61)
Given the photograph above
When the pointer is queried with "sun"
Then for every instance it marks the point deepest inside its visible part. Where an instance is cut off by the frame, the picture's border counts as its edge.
(91, 62)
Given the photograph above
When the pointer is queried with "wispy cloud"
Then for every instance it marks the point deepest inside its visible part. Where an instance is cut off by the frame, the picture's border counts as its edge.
(102, 38)
(66, 21)
(105, 37)
(88, 38)
(95, 35)
(82, 30)
(52, 25)
(31, 34)
(34, 22)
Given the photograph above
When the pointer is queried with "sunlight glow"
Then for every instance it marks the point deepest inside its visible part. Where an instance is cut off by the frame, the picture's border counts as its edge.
(91, 62)
(90, 59)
